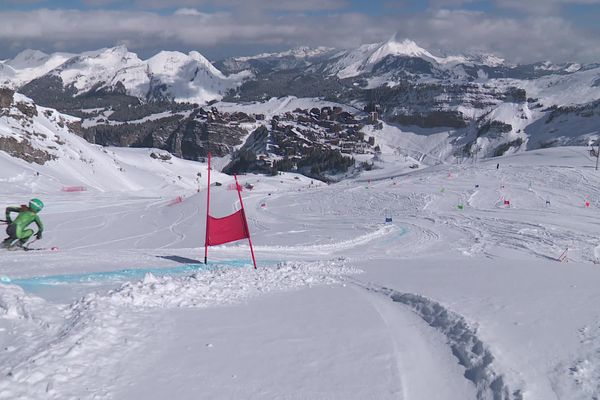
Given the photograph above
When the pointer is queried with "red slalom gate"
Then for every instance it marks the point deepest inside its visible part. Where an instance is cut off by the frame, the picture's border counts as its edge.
(227, 229)
(176, 200)
(235, 186)
(71, 189)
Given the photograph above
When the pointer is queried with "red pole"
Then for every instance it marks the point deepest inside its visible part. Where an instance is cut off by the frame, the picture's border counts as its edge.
(245, 221)
(207, 213)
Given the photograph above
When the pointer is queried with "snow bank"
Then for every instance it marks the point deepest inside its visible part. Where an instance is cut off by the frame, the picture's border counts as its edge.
(75, 354)
(224, 286)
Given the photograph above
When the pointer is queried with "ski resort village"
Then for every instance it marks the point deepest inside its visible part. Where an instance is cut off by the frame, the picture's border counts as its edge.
(300, 200)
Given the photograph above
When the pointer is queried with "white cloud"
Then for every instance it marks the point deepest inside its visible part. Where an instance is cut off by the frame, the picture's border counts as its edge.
(542, 6)
(279, 5)
(533, 38)
(188, 12)
(530, 6)
(530, 38)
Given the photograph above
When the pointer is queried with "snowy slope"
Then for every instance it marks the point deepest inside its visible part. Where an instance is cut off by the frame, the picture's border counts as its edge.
(442, 303)
(580, 87)
(72, 161)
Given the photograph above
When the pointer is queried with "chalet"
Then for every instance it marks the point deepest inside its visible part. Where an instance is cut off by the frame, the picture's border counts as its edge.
(372, 107)
(373, 117)
(346, 118)
(305, 119)
(325, 114)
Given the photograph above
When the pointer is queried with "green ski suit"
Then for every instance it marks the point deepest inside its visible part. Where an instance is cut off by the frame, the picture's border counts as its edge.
(17, 229)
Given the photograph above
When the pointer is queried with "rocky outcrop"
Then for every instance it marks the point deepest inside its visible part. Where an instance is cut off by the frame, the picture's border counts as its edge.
(184, 137)
(434, 119)
(50, 91)
(6, 97)
(27, 109)
(24, 150)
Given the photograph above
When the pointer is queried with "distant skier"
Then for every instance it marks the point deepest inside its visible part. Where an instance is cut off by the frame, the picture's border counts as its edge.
(497, 165)
(17, 231)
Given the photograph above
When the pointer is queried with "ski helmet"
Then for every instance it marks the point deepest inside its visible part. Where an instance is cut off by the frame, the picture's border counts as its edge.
(36, 205)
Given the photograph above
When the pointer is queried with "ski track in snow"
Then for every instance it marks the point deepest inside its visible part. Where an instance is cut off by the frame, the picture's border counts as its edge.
(469, 350)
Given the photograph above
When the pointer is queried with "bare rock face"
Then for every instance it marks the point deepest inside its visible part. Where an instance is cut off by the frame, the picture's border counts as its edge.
(6, 97)
(24, 150)
(184, 137)
(21, 147)
(28, 110)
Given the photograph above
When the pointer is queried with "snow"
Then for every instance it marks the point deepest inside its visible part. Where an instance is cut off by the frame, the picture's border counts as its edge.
(560, 90)
(392, 47)
(276, 106)
(190, 77)
(462, 296)
(28, 65)
(362, 60)
(187, 77)
(298, 52)
(443, 302)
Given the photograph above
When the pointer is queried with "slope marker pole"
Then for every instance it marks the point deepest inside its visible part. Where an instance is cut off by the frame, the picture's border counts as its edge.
(237, 185)
(207, 213)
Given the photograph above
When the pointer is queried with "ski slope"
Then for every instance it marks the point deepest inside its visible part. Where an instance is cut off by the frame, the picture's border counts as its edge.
(445, 302)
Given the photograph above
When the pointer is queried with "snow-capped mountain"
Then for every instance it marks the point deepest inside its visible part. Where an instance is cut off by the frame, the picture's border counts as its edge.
(190, 77)
(483, 104)
(393, 61)
(92, 69)
(167, 75)
(364, 59)
(297, 52)
(296, 58)
(29, 65)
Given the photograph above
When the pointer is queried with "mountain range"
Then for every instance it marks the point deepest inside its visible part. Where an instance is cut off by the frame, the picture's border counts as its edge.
(454, 106)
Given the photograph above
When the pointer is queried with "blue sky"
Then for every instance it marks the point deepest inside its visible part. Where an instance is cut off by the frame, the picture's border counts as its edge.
(518, 30)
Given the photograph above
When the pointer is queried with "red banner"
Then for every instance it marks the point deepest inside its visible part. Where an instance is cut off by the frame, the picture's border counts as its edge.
(226, 229)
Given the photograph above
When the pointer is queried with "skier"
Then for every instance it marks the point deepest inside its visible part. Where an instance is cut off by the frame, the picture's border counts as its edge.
(17, 231)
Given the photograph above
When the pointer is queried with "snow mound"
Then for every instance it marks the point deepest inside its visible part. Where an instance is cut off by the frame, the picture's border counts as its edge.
(88, 339)
(224, 286)
(16, 304)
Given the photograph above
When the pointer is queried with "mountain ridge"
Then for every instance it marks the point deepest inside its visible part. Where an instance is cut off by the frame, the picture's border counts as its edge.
(483, 105)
